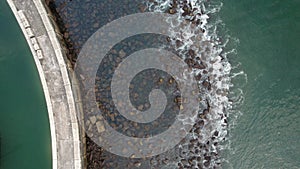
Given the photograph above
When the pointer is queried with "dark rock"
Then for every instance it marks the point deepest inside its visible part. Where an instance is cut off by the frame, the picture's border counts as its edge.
(216, 133)
(198, 77)
(208, 158)
(206, 163)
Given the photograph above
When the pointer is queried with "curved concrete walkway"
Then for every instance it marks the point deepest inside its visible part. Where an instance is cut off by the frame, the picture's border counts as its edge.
(53, 71)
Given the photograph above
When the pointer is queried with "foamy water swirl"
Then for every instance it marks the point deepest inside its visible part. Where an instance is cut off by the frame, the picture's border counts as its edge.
(197, 41)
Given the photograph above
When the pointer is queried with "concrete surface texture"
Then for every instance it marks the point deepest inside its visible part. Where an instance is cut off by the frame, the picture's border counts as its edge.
(54, 75)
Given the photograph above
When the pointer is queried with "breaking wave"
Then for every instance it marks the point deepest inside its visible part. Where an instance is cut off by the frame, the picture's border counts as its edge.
(198, 36)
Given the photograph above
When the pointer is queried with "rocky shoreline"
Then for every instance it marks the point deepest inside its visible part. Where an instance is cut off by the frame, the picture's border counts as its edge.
(73, 37)
(77, 26)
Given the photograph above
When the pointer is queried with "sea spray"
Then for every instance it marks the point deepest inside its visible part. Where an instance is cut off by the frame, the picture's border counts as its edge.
(195, 37)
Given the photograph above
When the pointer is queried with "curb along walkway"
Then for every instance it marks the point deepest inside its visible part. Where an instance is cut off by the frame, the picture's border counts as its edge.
(48, 56)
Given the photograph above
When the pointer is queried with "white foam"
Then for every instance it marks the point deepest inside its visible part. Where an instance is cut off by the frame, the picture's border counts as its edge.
(208, 48)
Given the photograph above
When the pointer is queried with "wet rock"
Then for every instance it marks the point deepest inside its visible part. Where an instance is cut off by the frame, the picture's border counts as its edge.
(178, 43)
(225, 121)
(141, 107)
(142, 8)
(93, 119)
(96, 25)
(198, 77)
(184, 162)
(172, 11)
(100, 126)
(192, 53)
(122, 54)
(206, 84)
(206, 163)
(199, 65)
(208, 158)
(137, 164)
(165, 161)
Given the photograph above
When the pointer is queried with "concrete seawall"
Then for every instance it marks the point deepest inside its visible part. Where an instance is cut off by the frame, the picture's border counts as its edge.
(48, 55)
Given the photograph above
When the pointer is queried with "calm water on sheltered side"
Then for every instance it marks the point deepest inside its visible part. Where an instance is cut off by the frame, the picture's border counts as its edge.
(24, 125)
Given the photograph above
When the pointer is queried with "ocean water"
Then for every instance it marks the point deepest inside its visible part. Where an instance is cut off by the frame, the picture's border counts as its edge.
(24, 125)
(266, 133)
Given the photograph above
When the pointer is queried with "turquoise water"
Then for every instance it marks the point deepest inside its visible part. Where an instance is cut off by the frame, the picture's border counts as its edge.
(24, 126)
(267, 133)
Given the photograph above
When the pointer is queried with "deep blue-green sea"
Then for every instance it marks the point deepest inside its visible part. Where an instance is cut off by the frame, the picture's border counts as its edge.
(267, 133)
(264, 127)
